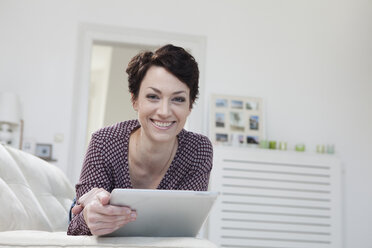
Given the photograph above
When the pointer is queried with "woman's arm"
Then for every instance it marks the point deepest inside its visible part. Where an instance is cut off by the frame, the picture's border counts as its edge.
(93, 214)
(198, 178)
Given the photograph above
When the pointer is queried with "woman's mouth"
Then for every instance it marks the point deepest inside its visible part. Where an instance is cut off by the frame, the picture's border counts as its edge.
(162, 124)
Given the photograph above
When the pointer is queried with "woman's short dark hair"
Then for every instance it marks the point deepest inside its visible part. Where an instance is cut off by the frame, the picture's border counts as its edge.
(172, 58)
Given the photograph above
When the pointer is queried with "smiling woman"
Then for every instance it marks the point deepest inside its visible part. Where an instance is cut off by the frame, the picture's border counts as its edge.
(153, 152)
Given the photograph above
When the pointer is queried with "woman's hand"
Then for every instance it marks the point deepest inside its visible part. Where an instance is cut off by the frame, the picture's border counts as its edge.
(101, 217)
(85, 199)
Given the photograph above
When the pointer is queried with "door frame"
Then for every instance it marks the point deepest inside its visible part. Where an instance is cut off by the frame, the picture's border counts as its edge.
(88, 34)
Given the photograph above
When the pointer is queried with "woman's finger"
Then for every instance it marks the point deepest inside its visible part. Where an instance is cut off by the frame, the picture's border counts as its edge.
(112, 224)
(76, 209)
(91, 196)
(110, 218)
(103, 197)
(95, 212)
(112, 210)
(106, 228)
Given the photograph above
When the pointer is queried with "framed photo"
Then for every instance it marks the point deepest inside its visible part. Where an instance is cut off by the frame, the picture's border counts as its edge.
(44, 151)
(28, 145)
(236, 120)
(222, 137)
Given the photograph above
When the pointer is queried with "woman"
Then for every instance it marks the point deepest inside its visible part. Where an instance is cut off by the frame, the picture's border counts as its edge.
(153, 152)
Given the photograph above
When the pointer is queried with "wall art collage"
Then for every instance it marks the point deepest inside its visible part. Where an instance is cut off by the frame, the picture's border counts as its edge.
(236, 120)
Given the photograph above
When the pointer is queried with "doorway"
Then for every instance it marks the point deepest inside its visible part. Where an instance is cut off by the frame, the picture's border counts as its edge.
(119, 38)
(109, 98)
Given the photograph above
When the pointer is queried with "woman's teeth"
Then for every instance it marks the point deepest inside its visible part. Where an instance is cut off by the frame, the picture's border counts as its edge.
(162, 124)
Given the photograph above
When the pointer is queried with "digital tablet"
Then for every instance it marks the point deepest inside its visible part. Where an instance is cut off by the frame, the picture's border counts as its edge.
(164, 213)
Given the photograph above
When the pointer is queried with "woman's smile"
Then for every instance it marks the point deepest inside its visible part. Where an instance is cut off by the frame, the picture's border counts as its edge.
(163, 124)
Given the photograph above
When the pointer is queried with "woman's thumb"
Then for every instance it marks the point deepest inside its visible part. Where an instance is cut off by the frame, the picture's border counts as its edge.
(104, 197)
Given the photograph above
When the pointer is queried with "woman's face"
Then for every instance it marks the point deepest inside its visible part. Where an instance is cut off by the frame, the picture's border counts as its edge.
(163, 104)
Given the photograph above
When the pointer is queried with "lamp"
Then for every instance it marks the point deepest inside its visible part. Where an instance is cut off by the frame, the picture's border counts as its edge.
(10, 118)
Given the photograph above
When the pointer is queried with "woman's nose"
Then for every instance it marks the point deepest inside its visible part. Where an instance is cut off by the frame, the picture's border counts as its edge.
(164, 109)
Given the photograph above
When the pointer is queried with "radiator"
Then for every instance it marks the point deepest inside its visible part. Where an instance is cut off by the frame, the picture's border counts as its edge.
(275, 199)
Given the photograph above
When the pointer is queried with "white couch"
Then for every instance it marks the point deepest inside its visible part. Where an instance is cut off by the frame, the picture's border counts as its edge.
(35, 198)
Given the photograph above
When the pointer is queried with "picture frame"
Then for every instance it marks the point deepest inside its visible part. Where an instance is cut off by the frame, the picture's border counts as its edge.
(44, 151)
(236, 120)
(28, 145)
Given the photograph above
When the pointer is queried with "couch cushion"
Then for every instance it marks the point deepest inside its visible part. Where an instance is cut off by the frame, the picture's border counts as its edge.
(40, 192)
(15, 189)
(14, 212)
(60, 239)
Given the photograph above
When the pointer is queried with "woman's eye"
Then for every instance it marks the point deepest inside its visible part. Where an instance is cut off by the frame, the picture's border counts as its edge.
(179, 99)
(152, 97)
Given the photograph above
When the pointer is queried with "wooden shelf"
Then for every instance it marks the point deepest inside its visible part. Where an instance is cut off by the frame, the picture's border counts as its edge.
(48, 159)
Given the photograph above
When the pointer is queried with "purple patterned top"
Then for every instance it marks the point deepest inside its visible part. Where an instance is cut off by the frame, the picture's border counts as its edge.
(106, 165)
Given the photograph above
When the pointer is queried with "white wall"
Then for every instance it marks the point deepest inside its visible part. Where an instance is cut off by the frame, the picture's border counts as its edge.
(311, 61)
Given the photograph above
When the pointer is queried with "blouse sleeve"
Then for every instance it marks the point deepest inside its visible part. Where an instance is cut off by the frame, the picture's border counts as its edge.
(94, 173)
(198, 178)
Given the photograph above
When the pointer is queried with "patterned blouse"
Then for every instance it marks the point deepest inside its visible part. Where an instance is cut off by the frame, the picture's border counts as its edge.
(106, 165)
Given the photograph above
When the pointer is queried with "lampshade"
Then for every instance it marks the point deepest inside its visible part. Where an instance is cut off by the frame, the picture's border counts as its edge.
(10, 109)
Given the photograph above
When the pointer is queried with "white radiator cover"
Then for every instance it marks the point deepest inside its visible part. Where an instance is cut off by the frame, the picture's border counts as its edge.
(275, 199)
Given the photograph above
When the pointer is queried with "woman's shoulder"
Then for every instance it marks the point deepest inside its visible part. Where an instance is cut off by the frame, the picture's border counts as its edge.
(116, 131)
(195, 140)
(197, 149)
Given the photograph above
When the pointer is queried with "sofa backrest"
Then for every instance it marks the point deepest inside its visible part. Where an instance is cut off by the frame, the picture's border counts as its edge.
(34, 194)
